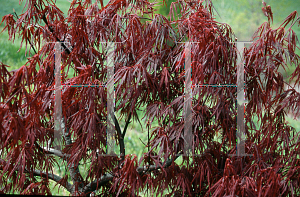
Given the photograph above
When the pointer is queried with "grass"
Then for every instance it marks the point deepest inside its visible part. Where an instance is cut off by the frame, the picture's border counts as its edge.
(11, 54)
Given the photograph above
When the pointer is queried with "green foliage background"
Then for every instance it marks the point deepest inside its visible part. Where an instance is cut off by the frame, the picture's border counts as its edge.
(244, 16)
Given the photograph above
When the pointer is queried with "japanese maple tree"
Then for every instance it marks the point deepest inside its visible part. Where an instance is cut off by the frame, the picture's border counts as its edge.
(149, 71)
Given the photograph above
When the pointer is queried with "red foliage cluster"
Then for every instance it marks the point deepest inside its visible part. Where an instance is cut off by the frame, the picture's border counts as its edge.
(149, 70)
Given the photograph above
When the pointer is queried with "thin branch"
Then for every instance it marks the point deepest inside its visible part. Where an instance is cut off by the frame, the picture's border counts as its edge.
(121, 139)
(52, 151)
(126, 125)
(53, 177)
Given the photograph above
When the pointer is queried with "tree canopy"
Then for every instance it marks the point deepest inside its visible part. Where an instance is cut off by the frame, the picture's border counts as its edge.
(149, 70)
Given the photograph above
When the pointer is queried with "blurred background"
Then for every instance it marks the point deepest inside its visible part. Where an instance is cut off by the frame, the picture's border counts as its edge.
(244, 16)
